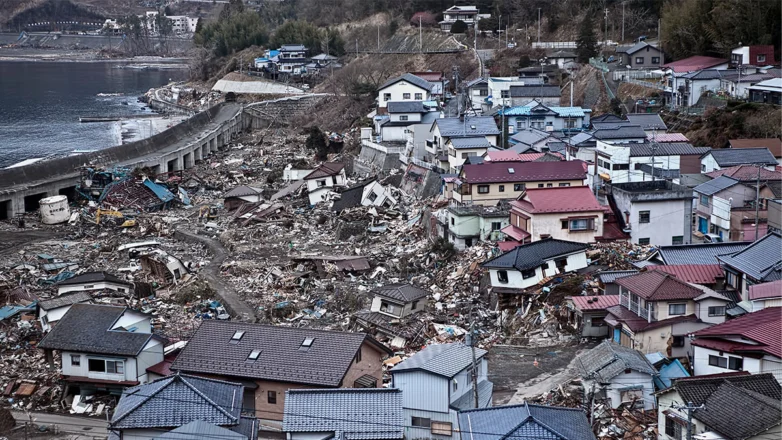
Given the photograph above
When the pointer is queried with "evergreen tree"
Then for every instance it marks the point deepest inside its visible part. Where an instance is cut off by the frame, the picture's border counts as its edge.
(586, 44)
(458, 27)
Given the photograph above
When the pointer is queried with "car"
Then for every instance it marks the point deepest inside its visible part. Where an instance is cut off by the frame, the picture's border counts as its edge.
(712, 238)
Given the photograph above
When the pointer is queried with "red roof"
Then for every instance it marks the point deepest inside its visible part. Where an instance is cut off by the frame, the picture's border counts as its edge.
(668, 137)
(765, 290)
(325, 169)
(611, 232)
(515, 233)
(692, 64)
(622, 315)
(429, 76)
(601, 302)
(693, 273)
(744, 173)
(764, 327)
(558, 199)
(654, 285)
(507, 246)
(773, 144)
(503, 156)
(522, 172)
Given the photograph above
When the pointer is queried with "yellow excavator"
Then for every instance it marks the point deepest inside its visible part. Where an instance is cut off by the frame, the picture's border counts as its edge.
(116, 214)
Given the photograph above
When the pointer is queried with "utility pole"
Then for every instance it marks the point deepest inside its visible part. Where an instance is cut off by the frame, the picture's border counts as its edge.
(538, 25)
(474, 372)
(757, 203)
(623, 22)
(378, 38)
(660, 43)
(420, 36)
(499, 33)
(356, 46)
(605, 30)
(690, 408)
(654, 150)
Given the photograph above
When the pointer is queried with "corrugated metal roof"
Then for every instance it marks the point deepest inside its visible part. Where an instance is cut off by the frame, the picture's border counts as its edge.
(522, 172)
(667, 137)
(611, 276)
(693, 273)
(558, 199)
(160, 191)
(444, 359)
(600, 302)
(765, 290)
(764, 327)
(716, 185)
(666, 149)
(470, 142)
(774, 145)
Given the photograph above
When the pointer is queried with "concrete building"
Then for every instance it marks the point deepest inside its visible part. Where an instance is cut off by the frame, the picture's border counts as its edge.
(466, 225)
(643, 205)
(407, 87)
(544, 94)
(621, 163)
(716, 200)
(756, 55)
(500, 90)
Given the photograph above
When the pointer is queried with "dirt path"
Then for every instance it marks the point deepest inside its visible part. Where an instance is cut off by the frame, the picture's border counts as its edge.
(11, 241)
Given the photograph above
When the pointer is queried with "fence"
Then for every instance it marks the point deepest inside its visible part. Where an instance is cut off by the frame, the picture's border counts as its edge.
(598, 64)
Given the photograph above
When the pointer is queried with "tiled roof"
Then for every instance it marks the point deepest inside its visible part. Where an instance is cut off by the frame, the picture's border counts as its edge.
(607, 117)
(159, 404)
(581, 138)
(470, 142)
(705, 74)
(611, 276)
(350, 197)
(773, 144)
(765, 290)
(467, 401)
(609, 359)
(198, 430)
(705, 253)
(325, 169)
(558, 199)
(402, 292)
(534, 254)
(86, 328)
(94, 277)
(666, 149)
(715, 185)
(624, 132)
(694, 63)
(444, 359)
(282, 356)
(530, 107)
(408, 327)
(65, 299)
(412, 79)
(728, 157)
(525, 421)
(649, 121)
(350, 413)
(535, 91)
(693, 273)
(600, 302)
(523, 172)
(657, 286)
(241, 191)
(738, 413)
(667, 137)
(429, 76)
(529, 136)
(405, 107)
(745, 173)
(762, 260)
(764, 327)
(455, 127)
(698, 388)
(503, 156)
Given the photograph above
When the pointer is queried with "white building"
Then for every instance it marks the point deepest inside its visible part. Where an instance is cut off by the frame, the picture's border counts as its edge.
(407, 87)
(468, 14)
(621, 163)
(50, 311)
(323, 179)
(657, 213)
(94, 281)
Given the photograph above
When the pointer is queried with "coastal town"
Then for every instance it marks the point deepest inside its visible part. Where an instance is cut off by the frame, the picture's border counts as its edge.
(457, 229)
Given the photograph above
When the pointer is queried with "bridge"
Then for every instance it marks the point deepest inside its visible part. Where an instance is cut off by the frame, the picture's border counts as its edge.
(177, 148)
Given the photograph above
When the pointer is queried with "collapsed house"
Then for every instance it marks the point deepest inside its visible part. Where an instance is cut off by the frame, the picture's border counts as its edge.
(391, 318)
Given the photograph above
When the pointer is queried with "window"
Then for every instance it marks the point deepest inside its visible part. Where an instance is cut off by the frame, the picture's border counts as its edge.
(678, 341)
(643, 241)
(518, 187)
(529, 273)
(403, 117)
(372, 196)
(564, 224)
(117, 367)
(655, 60)
(496, 226)
(237, 336)
(521, 125)
(598, 321)
(483, 189)
(322, 183)
(502, 276)
(549, 185)
(405, 96)
(44, 319)
(414, 305)
(75, 360)
(442, 428)
(465, 155)
(253, 356)
(505, 94)
(419, 96)
(584, 224)
(358, 353)
(735, 363)
(564, 184)
(420, 422)
(704, 200)
(639, 60)
(677, 309)
(677, 239)
(643, 217)
(453, 221)
(717, 311)
(455, 385)
(545, 266)
(718, 361)
(674, 427)
(761, 58)
(306, 344)
(502, 188)
(386, 96)
(271, 397)
(96, 365)
(540, 185)
(621, 166)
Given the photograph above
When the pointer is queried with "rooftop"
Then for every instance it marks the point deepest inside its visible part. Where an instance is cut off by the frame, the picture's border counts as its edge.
(613, 275)
(522, 172)
(765, 290)
(243, 190)
(296, 355)
(694, 63)
(745, 173)
(535, 254)
(535, 91)
(609, 359)
(648, 149)
(558, 199)
(94, 277)
(667, 137)
(655, 190)
(693, 273)
(762, 260)
(445, 360)
(620, 132)
(534, 107)
(470, 142)
(763, 327)
(590, 303)
(525, 421)
(406, 107)
(655, 285)
(773, 144)
(351, 413)
(715, 185)
(705, 253)
(528, 136)
(470, 126)
(402, 292)
(325, 169)
(728, 157)
(649, 121)
(64, 300)
(412, 79)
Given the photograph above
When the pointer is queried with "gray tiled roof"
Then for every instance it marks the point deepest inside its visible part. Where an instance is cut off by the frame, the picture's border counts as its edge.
(529, 136)
(470, 142)
(580, 138)
(698, 389)
(738, 414)
(241, 191)
(466, 401)
(281, 359)
(534, 254)
(454, 127)
(86, 328)
(609, 359)
(412, 79)
(93, 277)
(405, 107)
(699, 253)
(649, 121)
(350, 413)
(635, 48)
(705, 74)
(525, 421)
(199, 430)
(65, 299)
(350, 197)
(716, 185)
(623, 132)
(159, 404)
(611, 276)
(443, 359)
(666, 149)
(403, 292)
(535, 91)
(762, 260)
(728, 157)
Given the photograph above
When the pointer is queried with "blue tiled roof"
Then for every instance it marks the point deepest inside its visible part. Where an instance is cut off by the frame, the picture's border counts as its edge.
(525, 422)
(350, 413)
(444, 359)
(525, 110)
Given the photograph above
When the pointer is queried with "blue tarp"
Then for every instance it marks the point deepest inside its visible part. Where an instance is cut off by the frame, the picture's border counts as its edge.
(669, 370)
(160, 191)
(62, 276)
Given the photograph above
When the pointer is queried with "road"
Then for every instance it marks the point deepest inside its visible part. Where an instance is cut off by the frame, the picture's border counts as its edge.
(71, 424)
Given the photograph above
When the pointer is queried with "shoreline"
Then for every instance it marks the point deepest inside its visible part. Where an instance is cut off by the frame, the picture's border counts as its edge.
(92, 57)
